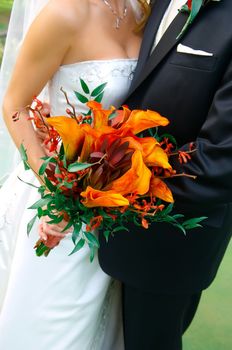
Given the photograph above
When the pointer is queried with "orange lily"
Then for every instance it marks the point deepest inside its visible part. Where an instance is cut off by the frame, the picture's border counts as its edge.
(159, 189)
(100, 116)
(71, 133)
(141, 120)
(136, 179)
(96, 198)
(153, 154)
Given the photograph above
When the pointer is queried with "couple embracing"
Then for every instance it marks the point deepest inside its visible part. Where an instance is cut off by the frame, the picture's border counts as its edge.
(144, 288)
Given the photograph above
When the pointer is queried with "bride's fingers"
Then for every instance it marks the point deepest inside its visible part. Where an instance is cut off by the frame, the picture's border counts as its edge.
(42, 234)
(59, 227)
(47, 229)
(42, 135)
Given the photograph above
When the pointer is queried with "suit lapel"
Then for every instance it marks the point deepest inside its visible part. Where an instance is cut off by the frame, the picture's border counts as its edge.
(152, 26)
(167, 42)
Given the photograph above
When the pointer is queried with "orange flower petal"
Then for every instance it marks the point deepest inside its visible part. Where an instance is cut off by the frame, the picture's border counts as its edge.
(96, 198)
(160, 190)
(153, 154)
(141, 120)
(94, 105)
(136, 179)
(71, 134)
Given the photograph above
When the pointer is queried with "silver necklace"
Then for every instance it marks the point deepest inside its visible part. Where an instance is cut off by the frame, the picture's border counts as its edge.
(119, 17)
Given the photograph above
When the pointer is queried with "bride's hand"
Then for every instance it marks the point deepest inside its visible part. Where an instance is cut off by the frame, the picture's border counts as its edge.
(51, 234)
(42, 135)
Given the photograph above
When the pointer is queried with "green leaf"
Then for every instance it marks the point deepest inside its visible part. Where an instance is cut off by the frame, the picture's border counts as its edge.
(47, 160)
(178, 216)
(57, 170)
(92, 252)
(194, 221)
(180, 227)
(80, 244)
(31, 224)
(196, 6)
(120, 228)
(76, 231)
(167, 210)
(69, 185)
(43, 168)
(84, 86)
(74, 167)
(49, 185)
(28, 183)
(81, 97)
(112, 115)
(56, 220)
(107, 234)
(92, 239)
(40, 212)
(61, 153)
(41, 202)
(184, 8)
(42, 249)
(99, 97)
(23, 154)
(170, 137)
(98, 90)
(69, 224)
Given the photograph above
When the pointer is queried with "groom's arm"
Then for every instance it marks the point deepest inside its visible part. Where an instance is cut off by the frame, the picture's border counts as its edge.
(212, 160)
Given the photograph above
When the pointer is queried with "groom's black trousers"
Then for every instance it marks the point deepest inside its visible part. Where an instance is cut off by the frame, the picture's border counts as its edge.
(156, 321)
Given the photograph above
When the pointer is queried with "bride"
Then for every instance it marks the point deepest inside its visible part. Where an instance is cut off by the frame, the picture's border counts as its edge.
(61, 302)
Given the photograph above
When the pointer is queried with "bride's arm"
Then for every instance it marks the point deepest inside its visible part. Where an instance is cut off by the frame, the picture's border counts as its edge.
(42, 52)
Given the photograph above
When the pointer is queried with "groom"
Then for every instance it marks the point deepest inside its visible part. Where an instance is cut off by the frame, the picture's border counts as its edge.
(189, 81)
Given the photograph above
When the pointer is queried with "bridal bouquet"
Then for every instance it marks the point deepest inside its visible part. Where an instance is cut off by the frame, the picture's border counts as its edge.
(103, 172)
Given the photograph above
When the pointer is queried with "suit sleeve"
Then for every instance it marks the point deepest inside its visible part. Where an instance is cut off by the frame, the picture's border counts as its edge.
(212, 160)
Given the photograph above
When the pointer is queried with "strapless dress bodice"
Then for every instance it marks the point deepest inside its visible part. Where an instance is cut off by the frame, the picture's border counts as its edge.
(117, 73)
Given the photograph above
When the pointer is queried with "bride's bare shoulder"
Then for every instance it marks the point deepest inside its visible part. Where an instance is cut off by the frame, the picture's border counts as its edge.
(70, 14)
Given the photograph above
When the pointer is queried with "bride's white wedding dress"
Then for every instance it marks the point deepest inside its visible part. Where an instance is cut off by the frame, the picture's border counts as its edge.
(60, 302)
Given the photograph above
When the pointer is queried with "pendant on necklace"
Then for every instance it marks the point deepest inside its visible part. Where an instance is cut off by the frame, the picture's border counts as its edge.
(117, 23)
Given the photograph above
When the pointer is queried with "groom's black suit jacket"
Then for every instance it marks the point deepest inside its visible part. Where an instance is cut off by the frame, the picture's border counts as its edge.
(195, 94)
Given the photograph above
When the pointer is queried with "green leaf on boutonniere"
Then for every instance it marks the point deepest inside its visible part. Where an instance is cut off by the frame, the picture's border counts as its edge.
(192, 7)
(195, 8)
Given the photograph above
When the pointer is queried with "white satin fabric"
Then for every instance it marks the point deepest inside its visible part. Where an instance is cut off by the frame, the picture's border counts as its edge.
(58, 302)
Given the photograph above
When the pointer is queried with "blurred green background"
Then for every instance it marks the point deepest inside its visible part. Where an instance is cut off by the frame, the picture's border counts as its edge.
(212, 326)
(5, 7)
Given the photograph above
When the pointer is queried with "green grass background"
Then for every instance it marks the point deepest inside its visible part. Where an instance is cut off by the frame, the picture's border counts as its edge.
(212, 326)
(5, 7)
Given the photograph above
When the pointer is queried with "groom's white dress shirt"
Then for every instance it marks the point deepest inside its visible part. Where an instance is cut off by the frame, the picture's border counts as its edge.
(170, 14)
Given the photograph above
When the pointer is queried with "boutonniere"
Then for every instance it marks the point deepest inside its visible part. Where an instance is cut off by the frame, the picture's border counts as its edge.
(192, 7)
